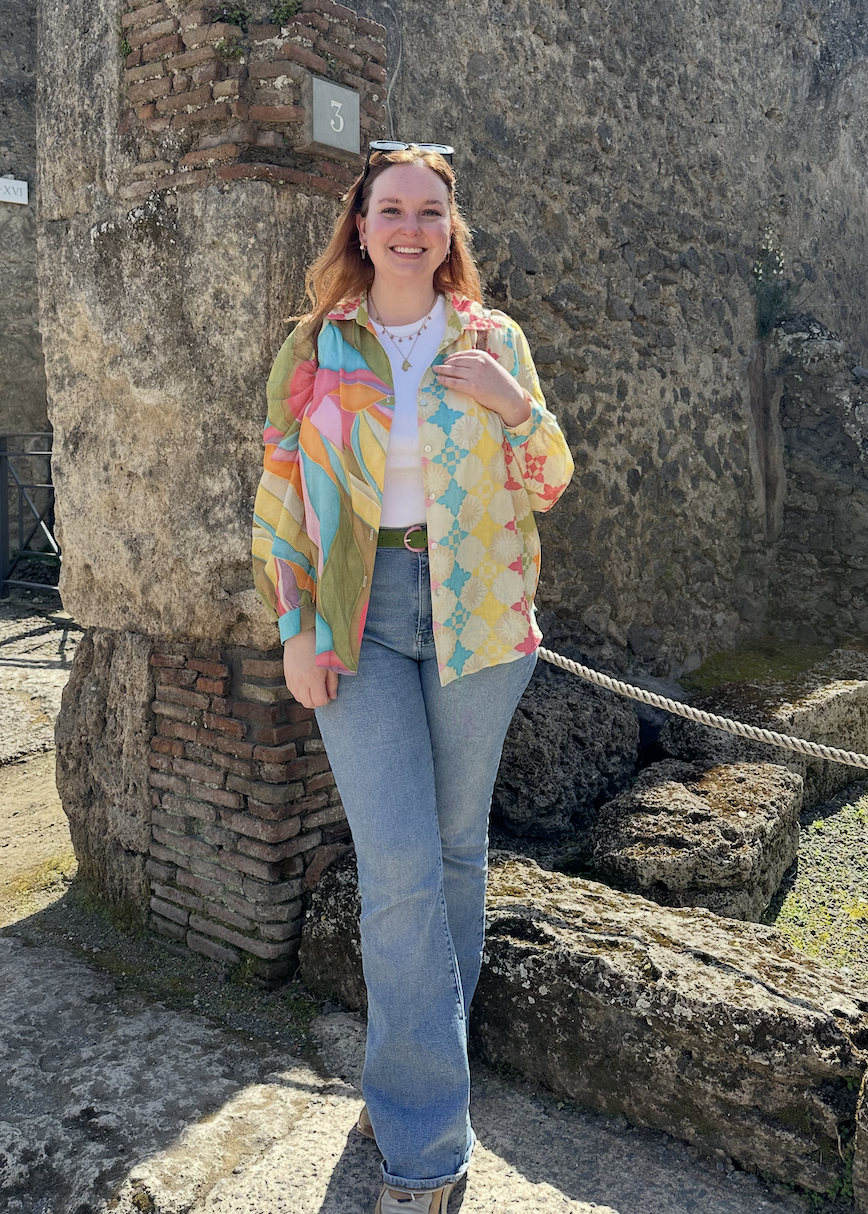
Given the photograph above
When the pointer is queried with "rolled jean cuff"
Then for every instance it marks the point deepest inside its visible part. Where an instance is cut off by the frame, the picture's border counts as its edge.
(426, 1186)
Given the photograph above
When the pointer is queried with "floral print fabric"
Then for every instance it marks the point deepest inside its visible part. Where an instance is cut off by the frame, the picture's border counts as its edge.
(317, 508)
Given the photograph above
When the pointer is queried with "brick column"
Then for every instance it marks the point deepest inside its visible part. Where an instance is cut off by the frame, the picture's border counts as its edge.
(210, 103)
(246, 815)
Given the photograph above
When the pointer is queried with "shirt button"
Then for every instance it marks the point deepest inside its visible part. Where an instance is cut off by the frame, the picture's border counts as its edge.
(434, 544)
(427, 446)
(430, 497)
(439, 591)
(372, 533)
(365, 580)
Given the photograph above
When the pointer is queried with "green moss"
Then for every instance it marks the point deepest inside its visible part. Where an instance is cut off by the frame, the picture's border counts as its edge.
(43, 876)
(283, 12)
(797, 1117)
(822, 906)
(768, 661)
(233, 14)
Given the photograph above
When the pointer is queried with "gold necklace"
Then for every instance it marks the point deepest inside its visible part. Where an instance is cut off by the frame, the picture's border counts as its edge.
(406, 364)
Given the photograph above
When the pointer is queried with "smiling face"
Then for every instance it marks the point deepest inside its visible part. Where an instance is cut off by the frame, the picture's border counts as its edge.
(408, 223)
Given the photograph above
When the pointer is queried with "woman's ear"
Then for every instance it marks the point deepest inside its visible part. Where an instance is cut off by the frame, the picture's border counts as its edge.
(360, 228)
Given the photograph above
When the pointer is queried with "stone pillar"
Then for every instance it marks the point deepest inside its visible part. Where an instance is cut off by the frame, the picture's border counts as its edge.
(183, 198)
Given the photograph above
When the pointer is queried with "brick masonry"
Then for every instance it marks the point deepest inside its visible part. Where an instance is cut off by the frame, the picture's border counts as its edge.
(210, 103)
(246, 816)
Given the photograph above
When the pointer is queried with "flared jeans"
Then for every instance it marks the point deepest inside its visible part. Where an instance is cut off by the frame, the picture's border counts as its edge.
(415, 765)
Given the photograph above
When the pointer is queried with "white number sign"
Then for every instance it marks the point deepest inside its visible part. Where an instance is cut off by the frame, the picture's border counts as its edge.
(13, 191)
(332, 120)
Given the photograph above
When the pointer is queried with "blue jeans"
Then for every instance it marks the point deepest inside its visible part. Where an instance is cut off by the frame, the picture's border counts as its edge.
(415, 765)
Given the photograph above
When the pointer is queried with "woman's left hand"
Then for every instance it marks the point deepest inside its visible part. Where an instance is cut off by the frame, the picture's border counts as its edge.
(483, 379)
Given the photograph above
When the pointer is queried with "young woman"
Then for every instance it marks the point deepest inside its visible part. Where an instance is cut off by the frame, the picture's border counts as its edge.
(406, 448)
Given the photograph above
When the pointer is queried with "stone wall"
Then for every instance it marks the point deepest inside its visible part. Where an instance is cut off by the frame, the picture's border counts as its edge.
(22, 371)
(819, 588)
(620, 163)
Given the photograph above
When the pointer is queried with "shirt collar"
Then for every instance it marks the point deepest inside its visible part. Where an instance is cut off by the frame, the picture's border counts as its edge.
(461, 313)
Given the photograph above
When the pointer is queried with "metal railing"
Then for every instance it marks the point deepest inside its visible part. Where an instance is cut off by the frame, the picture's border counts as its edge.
(34, 516)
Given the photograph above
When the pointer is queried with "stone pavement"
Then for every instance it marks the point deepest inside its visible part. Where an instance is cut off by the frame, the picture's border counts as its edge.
(112, 1102)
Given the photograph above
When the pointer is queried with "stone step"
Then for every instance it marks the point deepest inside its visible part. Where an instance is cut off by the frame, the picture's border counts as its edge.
(718, 1032)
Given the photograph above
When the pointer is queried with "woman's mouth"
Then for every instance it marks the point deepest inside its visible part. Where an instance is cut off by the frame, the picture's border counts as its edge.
(407, 249)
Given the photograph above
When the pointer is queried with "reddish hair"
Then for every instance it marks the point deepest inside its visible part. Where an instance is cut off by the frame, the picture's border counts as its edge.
(340, 273)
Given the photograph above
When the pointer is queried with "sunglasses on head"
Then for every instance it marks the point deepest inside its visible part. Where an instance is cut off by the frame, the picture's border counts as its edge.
(394, 145)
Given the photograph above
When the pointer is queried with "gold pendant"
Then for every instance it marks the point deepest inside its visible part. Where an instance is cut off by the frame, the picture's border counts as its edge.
(405, 365)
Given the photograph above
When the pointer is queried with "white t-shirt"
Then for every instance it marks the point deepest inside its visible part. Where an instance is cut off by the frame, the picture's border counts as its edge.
(403, 494)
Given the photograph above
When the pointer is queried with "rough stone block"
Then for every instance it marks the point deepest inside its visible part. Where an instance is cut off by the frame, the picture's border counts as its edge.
(569, 746)
(716, 1031)
(698, 834)
(826, 704)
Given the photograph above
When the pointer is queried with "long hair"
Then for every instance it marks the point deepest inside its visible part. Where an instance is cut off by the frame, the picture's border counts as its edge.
(340, 273)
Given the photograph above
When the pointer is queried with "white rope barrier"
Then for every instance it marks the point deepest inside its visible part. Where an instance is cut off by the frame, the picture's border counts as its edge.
(815, 749)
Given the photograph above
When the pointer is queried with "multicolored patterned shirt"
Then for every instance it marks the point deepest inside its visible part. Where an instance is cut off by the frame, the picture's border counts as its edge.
(317, 510)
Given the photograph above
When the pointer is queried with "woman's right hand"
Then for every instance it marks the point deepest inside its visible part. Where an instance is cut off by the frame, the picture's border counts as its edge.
(312, 685)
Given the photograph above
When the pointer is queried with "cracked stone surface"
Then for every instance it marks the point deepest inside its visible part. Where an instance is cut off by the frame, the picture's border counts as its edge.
(117, 1105)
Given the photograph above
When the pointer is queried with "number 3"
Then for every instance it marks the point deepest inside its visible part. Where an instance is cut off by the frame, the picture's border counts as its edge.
(337, 122)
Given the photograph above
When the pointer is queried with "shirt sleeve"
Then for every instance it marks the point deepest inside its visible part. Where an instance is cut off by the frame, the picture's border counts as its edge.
(537, 450)
(285, 558)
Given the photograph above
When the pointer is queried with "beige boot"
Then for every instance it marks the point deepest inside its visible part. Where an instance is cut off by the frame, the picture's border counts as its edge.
(405, 1201)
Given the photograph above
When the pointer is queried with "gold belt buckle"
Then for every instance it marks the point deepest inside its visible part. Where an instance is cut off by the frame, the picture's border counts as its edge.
(409, 532)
